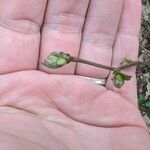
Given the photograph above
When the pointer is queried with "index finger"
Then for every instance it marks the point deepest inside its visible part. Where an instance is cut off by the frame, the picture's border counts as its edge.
(20, 23)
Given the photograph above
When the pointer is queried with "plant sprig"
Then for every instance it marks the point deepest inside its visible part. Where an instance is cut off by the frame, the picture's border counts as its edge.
(59, 59)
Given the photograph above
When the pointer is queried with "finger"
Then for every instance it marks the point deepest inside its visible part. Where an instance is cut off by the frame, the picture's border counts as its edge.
(62, 30)
(99, 34)
(126, 45)
(20, 23)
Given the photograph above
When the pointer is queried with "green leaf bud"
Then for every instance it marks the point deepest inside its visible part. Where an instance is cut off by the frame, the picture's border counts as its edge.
(56, 60)
(119, 78)
(126, 62)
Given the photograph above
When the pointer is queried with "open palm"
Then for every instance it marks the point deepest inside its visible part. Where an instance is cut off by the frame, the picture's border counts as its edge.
(41, 110)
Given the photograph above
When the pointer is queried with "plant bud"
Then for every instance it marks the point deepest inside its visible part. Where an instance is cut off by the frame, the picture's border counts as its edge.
(118, 81)
(56, 60)
(126, 62)
(119, 78)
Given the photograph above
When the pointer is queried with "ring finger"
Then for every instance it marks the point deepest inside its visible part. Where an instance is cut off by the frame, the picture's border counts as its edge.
(99, 35)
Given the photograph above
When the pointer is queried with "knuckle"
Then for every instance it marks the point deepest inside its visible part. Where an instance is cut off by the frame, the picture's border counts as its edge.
(20, 25)
(70, 23)
(102, 40)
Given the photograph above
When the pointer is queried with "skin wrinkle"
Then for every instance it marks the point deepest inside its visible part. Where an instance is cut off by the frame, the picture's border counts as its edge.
(66, 127)
(20, 104)
(16, 89)
(34, 114)
(117, 92)
(85, 137)
(66, 147)
(61, 141)
(99, 33)
(22, 79)
(114, 133)
(41, 120)
(123, 108)
(55, 122)
(20, 26)
(13, 62)
(95, 43)
(9, 60)
(28, 140)
(21, 109)
(65, 21)
(25, 96)
(68, 7)
(135, 104)
(72, 113)
(62, 30)
(65, 14)
(24, 10)
(12, 110)
(10, 91)
(57, 108)
(15, 103)
(61, 83)
(127, 31)
(84, 103)
(49, 99)
(61, 110)
(73, 15)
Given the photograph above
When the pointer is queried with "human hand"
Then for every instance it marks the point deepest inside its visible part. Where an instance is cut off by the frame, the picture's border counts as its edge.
(41, 111)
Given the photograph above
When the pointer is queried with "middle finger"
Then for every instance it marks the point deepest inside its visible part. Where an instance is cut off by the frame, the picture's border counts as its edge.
(62, 30)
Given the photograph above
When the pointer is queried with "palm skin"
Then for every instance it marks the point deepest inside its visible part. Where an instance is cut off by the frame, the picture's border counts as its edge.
(46, 111)
(40, 111)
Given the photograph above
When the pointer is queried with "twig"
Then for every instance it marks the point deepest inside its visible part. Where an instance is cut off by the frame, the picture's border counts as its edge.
(79, 60)
(144, 48)
(58, 59)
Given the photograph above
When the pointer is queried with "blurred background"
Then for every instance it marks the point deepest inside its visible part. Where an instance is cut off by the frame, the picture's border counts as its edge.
(143, 73)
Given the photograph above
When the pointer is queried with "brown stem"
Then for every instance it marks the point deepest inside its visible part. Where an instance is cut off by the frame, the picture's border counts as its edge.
(76, 59)
(144, 49)
(136, 63)
(79, 60)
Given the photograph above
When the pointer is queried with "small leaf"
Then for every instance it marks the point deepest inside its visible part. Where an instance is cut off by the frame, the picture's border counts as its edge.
(126, 77)
(147, 16)
(118, 81)
(126, 62)
(56, 60)
(147, 104)
(141, 99)
(119, 78)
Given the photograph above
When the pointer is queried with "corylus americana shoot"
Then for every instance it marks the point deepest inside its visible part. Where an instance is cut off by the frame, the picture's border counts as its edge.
(59, 59)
